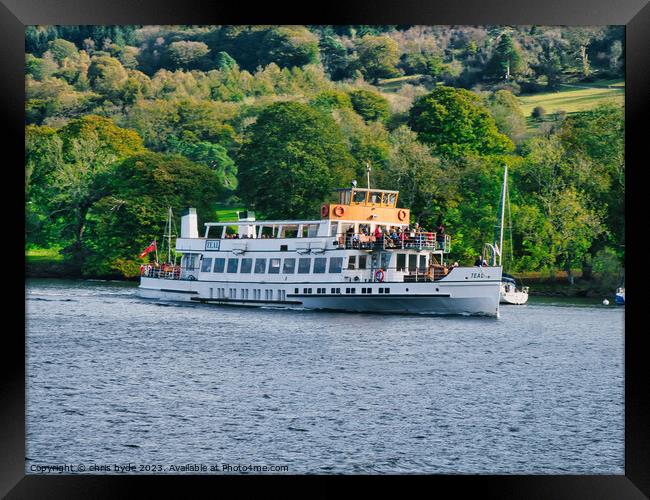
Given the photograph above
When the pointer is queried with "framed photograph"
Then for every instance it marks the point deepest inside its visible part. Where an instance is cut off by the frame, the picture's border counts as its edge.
(266, 245)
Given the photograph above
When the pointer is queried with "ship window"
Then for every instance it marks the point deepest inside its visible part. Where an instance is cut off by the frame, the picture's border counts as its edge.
(274, 266)
(232, 265)
(333, 290)
(260, 266)
(304, 264)
(284, 248)
(381, 290)
(385, 260)
(347, 290)
(219, 264)
(363, 261)
(304, 290)
(289, 266)
(352, 261)
(374, 198)
(246, 266)
(296, 290)
(413, 259)
(369, 290)
(353, 290)
(363, 290)
(359, 196)
(391, 199)
(423, 263)
(386, 290)
(206, 265)
(319, 264)
(336, 263)
(401, 261)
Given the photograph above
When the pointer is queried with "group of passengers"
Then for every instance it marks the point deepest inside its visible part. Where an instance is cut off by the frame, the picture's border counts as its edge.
(237, 236)
(396, 237)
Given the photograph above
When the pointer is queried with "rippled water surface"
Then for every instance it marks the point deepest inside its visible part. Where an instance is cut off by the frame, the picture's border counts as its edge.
(114, 379)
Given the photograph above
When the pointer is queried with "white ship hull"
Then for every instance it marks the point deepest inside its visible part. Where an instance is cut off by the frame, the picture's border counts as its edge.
(467, 291)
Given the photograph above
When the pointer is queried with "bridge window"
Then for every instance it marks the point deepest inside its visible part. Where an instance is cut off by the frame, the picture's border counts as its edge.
(219, 265)
(352, 261)
(359, 196)
(206, 265)
(336, 264)
(274, 266)
(289, 266)
(232, 265)
(260, 266)
(246, 266)
(304, 264)
(401, 261)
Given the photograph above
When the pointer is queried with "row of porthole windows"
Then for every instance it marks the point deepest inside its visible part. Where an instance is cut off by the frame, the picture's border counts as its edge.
(338, 290)
(245, 265)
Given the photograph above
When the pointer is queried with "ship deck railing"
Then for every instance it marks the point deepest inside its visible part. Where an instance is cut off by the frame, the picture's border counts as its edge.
(165, 272)
(420, 241)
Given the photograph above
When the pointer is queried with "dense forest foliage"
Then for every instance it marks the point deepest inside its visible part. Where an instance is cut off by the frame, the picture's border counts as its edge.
(124, 121)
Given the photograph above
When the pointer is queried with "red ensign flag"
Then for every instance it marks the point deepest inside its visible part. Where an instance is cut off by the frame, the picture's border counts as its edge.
(150, 248)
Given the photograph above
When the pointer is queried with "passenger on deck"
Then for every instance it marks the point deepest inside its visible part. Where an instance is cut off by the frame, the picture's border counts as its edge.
(378, 233)
(440, 234)
(479, 261)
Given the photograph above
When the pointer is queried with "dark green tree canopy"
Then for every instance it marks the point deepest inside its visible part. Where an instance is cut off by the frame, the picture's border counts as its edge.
(454, 122)
(294, 157)
(370, 105)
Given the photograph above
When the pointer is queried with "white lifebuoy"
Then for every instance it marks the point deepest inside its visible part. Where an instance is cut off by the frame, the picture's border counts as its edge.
(380, 275)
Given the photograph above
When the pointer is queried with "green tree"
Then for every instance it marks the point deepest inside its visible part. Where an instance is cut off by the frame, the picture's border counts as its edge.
(454, 122)
(133, 211)
(506, 111)
(90, 147)
(370, 105)
(213, 156)
(293, 156)
(377, 57)
(187, 54)
(335, 58)
(506, 61)
(107, 76)
(416, 174)
(331, 99)
(62, 49)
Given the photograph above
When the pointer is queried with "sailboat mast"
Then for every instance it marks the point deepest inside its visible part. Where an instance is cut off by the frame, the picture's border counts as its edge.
(503, 204)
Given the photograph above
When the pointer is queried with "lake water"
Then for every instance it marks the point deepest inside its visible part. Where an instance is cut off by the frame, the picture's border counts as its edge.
(114, 380)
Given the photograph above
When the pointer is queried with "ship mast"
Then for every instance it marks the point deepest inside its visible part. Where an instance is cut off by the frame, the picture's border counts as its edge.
(503, 204)
(169, 234)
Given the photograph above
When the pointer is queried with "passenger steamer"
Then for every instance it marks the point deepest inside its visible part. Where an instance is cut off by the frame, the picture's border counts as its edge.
(339, 262)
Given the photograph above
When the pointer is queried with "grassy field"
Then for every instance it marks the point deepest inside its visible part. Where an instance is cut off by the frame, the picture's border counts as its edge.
(36, 255)
(575, 98)
(226, 214)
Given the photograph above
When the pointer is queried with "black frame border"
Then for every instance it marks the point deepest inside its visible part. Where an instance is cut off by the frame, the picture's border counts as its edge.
(15, 15)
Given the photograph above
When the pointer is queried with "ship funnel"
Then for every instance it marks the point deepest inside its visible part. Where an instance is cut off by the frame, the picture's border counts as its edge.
(189, 224)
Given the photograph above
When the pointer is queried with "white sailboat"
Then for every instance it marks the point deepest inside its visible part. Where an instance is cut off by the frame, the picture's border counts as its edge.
(510, 292)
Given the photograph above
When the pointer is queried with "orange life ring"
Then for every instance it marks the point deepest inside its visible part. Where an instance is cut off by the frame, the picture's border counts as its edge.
(324, 210)
(339, 210)
(401, 214)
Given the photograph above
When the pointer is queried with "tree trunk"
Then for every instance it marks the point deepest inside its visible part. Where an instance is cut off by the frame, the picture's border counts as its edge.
(567, 268)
